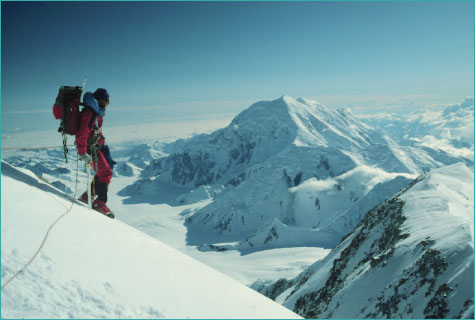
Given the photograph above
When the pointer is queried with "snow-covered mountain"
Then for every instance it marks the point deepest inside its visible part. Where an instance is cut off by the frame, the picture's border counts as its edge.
(281, 169)
(94, 267)
(410, 257)
(450, 129)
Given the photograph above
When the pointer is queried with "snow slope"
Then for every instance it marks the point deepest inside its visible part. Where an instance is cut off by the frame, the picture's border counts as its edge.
(95, 267)
(410, 257)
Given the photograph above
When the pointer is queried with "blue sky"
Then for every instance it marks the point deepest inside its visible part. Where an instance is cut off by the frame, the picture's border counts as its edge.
(177, 57)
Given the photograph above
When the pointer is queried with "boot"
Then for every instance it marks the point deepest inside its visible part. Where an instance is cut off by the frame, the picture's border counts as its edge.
(101, 207)
(83, 197)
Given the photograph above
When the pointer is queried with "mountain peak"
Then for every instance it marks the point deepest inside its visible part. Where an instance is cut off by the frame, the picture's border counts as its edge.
(287, 98)
(303, 122)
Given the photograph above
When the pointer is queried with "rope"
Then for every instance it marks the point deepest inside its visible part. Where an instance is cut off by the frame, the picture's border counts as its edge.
(47, 232)
(38, 148)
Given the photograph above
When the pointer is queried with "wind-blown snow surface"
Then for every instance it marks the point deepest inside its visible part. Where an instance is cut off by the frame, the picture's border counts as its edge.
(283, 173)
(410, 257)
(95, 267)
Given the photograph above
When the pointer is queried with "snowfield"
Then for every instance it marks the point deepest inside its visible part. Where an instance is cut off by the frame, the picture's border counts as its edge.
(95, 267)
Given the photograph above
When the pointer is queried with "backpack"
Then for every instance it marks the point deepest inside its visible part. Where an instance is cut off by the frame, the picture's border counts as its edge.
(66, 108)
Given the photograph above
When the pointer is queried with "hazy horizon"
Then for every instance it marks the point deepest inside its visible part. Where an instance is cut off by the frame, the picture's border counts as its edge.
(185, 59)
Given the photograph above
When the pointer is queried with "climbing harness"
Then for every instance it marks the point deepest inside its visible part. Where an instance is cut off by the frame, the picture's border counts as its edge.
(93, 143)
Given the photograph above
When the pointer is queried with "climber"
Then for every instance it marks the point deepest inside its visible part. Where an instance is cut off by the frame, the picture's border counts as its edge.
(91, 148)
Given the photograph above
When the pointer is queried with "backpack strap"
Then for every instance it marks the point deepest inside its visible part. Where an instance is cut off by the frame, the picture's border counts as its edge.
(93, 118)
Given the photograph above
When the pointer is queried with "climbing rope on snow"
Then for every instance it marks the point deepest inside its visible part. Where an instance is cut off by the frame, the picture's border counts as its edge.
(48, 231)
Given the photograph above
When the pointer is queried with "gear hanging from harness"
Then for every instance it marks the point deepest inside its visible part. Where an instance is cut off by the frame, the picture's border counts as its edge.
(93, 142)
(93, 145)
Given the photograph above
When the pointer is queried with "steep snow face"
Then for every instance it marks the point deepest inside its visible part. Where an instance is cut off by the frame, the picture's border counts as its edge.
(410, 257)
(95, 267)
(331, 128)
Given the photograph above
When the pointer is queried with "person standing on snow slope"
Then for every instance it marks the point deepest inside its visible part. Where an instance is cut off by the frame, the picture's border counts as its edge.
(90, 144)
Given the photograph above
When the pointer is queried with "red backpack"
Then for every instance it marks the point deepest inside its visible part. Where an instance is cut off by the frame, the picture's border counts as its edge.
(66, 108)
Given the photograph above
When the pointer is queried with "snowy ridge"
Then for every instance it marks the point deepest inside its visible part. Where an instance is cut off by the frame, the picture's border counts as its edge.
(95, 267)
(410, 257)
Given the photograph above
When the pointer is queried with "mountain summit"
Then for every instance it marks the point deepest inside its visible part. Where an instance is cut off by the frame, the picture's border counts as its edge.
(307, 122)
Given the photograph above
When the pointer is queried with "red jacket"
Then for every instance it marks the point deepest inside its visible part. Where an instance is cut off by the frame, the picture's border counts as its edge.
(86, 129)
